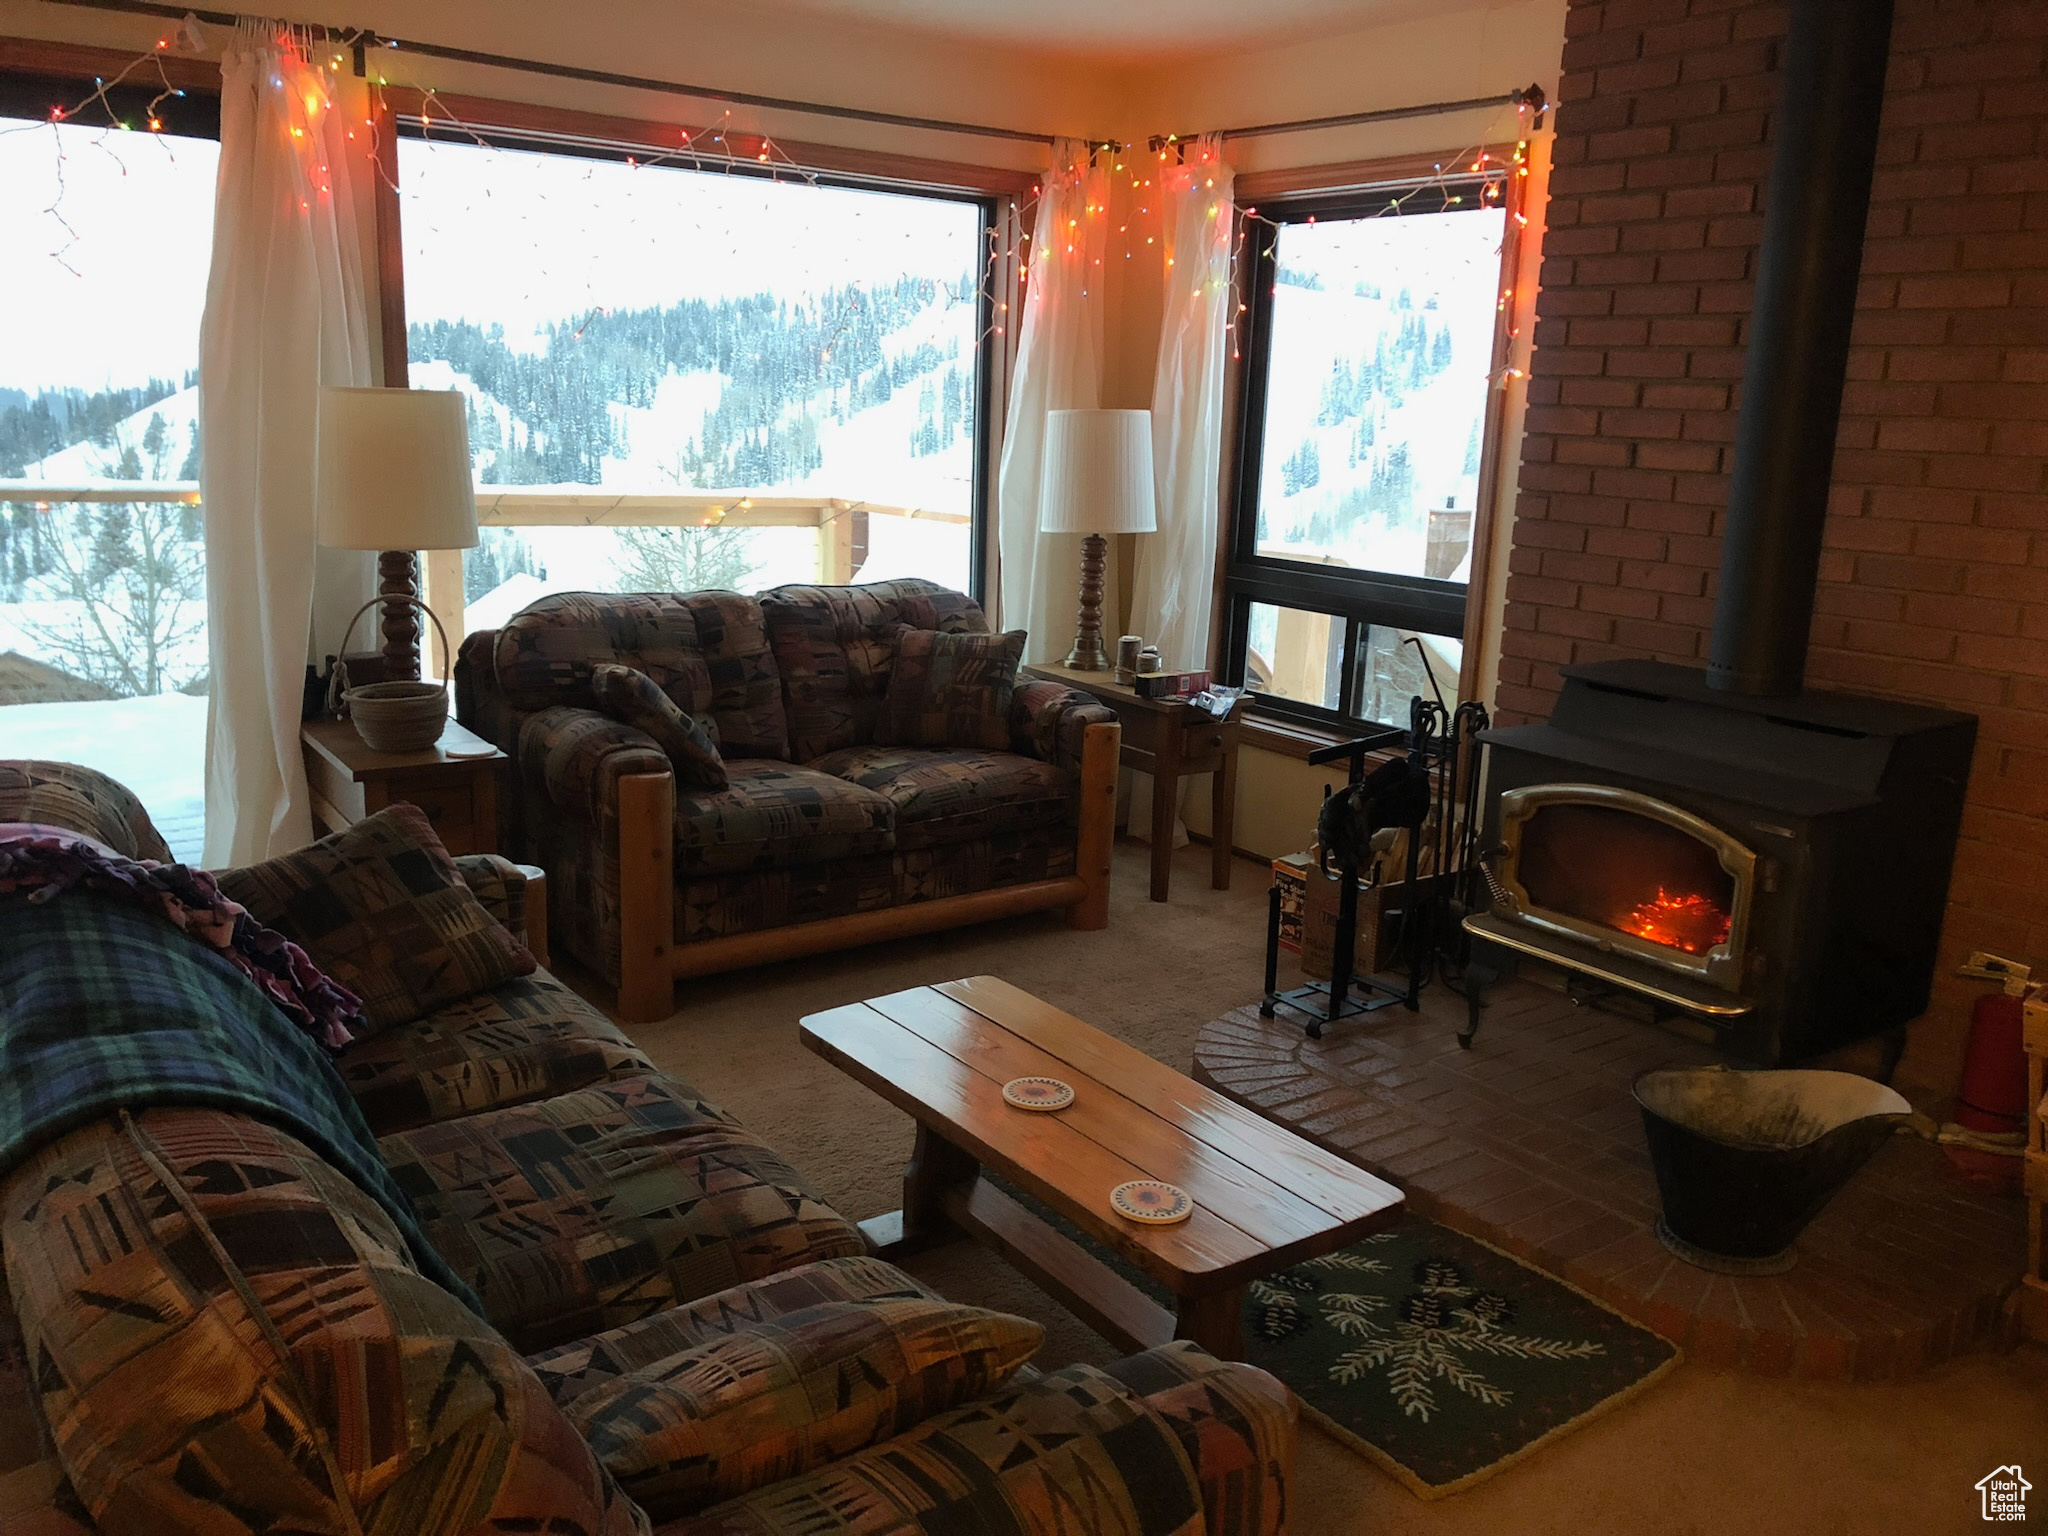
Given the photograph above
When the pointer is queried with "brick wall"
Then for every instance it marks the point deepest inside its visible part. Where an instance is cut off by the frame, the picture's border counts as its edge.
(1934, 581)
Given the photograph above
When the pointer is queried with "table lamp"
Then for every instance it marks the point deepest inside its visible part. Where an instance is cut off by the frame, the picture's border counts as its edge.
(1097, 481)
(392, 473)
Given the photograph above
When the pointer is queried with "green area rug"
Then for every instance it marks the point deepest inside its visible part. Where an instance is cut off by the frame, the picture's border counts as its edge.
(1440, 1358)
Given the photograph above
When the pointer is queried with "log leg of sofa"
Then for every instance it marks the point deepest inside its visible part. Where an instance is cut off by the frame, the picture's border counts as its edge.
(647, 896)
(1101, 746)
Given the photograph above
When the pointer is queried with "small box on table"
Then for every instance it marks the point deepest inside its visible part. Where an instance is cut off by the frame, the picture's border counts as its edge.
(1171, 685)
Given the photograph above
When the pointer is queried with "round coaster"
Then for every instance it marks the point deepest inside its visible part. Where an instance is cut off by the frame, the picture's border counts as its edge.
(1150, 1201)
(1043, 1094)
(483, 751)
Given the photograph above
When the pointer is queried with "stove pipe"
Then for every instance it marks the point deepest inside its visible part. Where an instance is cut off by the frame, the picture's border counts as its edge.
(1832, 91)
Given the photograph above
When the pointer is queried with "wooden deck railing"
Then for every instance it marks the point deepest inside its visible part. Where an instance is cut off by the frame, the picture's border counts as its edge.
(842, 524)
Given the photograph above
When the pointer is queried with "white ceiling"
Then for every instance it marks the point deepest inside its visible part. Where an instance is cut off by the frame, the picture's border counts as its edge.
(1117, 29)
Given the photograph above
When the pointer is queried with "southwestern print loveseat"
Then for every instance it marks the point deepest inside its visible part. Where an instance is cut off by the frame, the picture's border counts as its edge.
(824, 835)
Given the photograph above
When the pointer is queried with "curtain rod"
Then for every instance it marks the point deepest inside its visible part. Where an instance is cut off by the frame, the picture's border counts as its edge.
(1531, 96)
(362, 38)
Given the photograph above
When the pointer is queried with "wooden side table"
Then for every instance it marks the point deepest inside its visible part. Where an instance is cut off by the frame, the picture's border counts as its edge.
(458, 793)
(1167, 738)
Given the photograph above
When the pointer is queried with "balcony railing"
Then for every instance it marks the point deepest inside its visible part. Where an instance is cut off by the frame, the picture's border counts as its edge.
(842, 524)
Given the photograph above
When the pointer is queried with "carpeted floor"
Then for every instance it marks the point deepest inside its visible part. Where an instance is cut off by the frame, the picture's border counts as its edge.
(1699, 1452)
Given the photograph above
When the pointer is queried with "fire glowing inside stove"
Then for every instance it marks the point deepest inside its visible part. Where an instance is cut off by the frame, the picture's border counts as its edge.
(1687, 921)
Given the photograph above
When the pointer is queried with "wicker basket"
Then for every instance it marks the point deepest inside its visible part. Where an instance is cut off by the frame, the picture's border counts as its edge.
(395, 717)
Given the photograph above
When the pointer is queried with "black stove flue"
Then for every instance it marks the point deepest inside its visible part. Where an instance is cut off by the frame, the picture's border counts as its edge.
(1830, 95)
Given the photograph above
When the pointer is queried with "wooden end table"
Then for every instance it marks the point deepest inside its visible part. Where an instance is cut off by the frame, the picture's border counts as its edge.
(1264, 1197)
(1168, 738)
(349, 780)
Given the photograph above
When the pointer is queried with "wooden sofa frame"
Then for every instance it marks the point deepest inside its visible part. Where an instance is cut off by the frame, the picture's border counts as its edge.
(651, 961)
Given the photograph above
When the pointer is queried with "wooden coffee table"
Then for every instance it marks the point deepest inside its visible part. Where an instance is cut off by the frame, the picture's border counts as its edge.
(1265, 1198)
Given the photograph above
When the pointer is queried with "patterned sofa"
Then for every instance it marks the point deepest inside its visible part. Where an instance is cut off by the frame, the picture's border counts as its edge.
(207, 1329)
(825, 839)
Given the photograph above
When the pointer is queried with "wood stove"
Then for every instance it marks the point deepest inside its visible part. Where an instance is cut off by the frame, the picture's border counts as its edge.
(1767, 864)
(1769, 873)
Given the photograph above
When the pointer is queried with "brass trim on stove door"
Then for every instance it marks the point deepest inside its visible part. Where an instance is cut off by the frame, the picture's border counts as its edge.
(1722, 965)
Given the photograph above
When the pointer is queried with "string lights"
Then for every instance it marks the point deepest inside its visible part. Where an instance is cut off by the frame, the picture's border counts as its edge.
(1007, 239)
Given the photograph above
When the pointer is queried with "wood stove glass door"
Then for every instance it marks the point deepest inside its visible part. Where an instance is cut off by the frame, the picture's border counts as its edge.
(1630, 873)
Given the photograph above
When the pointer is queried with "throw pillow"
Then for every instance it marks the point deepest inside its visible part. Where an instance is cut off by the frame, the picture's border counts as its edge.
(951, 690)
(381, 909)
(791, 1393)
(633, 698)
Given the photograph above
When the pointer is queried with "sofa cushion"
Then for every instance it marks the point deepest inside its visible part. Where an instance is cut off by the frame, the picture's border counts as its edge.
(36, 1498)
(835, 646)
(1236, 1424)
(602, 1359)
(772, 815)
(593, 1208)
(952, 690)
(525, 1039)
(82, 800)
(241, 1344)
(708, 651)
(793, 1393)
(953, 794)
(629, 695)
(715, 906)
(983, 863)
(380, 907)
(1076, 1451)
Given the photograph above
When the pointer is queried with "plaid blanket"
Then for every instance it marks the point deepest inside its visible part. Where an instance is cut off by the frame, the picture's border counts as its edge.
(43, 863)
(104, 1007)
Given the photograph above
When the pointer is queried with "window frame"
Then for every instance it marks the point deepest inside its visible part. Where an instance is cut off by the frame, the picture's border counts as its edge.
(1358, 599)
(994, 192)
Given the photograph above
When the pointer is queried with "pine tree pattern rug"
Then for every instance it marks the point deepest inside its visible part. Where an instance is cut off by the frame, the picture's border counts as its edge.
(1442, 1359)
(1436, 1356)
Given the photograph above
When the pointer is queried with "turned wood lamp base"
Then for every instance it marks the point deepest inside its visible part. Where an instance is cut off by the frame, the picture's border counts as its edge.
(398, 584)
(1088, 654)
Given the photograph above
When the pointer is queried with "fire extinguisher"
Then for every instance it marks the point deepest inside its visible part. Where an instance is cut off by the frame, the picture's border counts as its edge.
(1985, 1140)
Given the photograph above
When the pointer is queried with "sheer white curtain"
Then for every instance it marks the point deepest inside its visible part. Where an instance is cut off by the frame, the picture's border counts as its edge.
(1058, 367)
(1172, 591)
(289, 306)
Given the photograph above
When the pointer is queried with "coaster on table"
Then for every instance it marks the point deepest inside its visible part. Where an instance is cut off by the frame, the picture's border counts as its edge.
(1154, 1203)
(1043, 1094)
(484, 750)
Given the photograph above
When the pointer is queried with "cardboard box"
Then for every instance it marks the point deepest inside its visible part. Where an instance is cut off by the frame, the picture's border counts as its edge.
(1379, 924)
(1291, 875)
(1171, 685)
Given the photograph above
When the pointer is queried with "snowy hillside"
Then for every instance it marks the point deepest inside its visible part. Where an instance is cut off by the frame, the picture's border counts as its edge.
(864, 395)
(1382, 335)
(136, 452)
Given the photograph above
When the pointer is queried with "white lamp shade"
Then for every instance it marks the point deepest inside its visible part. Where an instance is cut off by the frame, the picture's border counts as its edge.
(1098, 473)
(392, 470)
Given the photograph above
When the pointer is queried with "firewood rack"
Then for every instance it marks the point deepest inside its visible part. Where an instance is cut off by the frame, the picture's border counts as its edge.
(1443, 743)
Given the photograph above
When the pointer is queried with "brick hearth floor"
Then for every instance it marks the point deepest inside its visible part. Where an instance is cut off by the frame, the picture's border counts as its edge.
(1532, 1142)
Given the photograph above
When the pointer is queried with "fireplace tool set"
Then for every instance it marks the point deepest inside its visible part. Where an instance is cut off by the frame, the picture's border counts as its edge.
(1431, 793)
